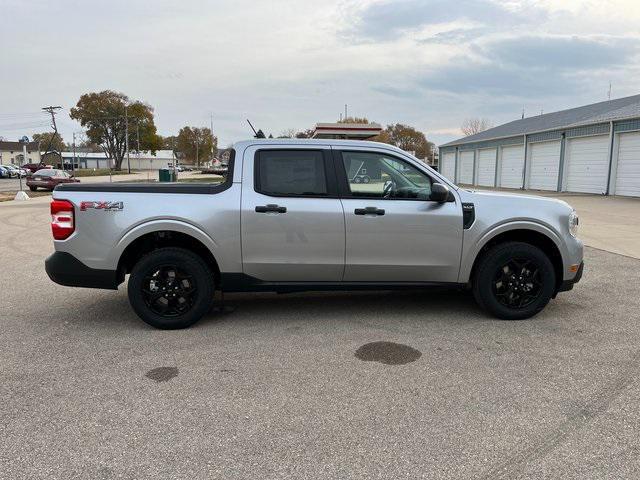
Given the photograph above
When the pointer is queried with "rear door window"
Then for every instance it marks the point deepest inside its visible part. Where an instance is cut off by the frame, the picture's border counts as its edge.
(291, 173)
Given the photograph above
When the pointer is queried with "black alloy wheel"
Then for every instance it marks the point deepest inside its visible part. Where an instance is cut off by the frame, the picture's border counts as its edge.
(517, 284)
(514, 280)
(171, 288)
(169, 291)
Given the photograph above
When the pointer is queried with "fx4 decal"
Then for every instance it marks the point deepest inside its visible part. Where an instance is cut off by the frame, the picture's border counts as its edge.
(110, 206)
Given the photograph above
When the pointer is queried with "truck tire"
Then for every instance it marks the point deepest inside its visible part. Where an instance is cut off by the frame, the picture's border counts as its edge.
(171, 288)
(514, 281)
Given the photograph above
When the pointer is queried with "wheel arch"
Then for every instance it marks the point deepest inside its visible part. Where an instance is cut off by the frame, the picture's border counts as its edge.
(144, 240)
(532, 234)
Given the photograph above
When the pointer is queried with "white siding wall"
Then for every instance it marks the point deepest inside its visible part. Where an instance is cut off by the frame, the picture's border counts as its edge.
(544, 164)
(511, 166)
(486, 167)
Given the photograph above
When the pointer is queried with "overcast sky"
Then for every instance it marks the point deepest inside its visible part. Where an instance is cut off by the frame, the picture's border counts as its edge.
(290, 64)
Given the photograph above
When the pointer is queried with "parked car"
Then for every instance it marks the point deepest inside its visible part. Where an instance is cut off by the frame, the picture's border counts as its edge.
(4, 172)
(34, 167)
(288, 218)
(16, 171)
(49, 178)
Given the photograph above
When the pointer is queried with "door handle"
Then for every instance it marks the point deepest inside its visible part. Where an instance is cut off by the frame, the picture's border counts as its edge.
(271, 208)
(369, 211)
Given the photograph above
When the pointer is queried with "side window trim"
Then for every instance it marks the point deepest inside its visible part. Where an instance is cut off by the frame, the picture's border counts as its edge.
(343, 180)
(329, 173)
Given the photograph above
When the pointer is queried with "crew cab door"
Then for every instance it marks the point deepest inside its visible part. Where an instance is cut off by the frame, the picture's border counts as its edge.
(292, 219)
(394, 233)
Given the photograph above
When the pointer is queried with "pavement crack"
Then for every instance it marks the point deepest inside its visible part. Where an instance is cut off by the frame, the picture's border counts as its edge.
(514, 465)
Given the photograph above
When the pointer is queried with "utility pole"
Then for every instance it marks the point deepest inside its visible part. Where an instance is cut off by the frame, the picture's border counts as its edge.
(126, 140)
(197, 152)
(345, 111)
(52, 111)
(73, 162)
(212, 152)
(138, 142)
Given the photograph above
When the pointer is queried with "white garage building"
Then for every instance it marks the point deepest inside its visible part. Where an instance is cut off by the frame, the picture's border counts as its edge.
(143, 160)
(590, 149)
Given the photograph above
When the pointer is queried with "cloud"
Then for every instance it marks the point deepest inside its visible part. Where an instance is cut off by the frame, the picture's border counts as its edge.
(388, 19)
(565, 53)
(534, 66)
(428, 63)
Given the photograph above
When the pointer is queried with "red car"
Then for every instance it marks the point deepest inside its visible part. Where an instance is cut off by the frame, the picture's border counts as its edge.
(48, 178)
(34, 167)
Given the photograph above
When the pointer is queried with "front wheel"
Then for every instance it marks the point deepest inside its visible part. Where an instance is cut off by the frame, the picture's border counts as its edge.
(514, 281)
(171, 288)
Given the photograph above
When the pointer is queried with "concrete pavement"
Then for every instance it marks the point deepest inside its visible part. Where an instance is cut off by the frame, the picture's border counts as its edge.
(276, 386)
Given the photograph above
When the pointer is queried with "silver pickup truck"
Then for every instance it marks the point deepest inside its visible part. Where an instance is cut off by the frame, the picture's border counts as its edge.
(299, 215)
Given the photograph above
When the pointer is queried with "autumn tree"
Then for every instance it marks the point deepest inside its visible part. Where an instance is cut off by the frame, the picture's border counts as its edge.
(170, 143)
(196, 144)
(407, 138)
(49, 141)
(102, 114)
(471, 126)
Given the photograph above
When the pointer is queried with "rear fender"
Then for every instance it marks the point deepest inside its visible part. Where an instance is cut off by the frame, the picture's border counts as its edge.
(163, 225)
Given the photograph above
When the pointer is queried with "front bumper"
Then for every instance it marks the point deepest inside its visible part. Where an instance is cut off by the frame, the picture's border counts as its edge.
(65, 269)
(567, 285)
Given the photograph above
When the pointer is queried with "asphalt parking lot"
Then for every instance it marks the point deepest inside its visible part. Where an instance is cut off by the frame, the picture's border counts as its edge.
(288, 387)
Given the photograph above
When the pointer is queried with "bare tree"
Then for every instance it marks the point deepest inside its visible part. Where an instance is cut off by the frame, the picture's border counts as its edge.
(471, 126)
(288, 133)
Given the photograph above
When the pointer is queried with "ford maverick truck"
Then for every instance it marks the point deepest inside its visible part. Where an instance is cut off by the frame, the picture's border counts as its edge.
(300, 215)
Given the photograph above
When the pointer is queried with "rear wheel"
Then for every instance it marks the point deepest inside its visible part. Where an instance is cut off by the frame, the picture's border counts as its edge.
(514, 281)
(171, 288)
(33, 189)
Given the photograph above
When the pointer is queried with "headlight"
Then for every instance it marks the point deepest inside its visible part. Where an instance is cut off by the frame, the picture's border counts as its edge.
(573, 223)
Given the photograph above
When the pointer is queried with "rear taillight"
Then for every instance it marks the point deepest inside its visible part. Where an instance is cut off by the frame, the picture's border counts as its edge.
(62, 224)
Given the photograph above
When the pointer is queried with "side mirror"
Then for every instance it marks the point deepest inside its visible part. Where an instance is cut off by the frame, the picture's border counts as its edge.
(439, 193)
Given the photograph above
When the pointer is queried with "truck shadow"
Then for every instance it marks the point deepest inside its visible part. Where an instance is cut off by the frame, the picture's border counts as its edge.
(259, 310)
(340, 307)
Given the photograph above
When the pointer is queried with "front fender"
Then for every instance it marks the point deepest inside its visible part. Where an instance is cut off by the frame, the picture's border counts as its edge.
(473, 245)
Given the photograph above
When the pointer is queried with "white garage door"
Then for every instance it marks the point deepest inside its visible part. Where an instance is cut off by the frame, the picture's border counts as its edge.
(545, 163)
(511, 167)
(465, 172)
(628, 170)
(448, 165)
(586, 164)
(486, 167)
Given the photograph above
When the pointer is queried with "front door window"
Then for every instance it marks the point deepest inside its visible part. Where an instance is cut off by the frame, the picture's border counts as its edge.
(375, 175)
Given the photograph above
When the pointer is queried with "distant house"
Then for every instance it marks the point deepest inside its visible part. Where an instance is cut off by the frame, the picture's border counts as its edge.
(11, 153)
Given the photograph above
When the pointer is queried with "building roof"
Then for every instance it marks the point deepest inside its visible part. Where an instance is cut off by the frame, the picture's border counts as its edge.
(617, 109)
(17, 146)
(360, 131)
